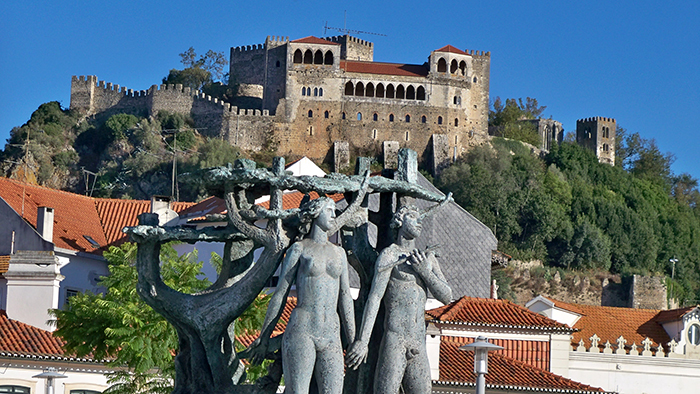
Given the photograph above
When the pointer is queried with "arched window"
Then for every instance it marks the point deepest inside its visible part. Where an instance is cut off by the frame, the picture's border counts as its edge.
(303, 91)
(308, 57)
(456, 122)
(328, 59)
(349, 89)
(14, 389)
(439, 119)
(408, 118)
(423, 119)
(375, 117)
(453, 66)
(311, 114)
(463, 67)
(390, 91)
(343, 115)
(318, 57)
(315, 92)
(391, 117)
(420, 93)
(326, 114)
(277, 64)
(359, 116)
(320, 91)
(297, 56)
(442, 65)
(459, 100)
(410, 93)
(360, 89)
(369, 91)
(400, 92)
(379, 91)
(474, 79)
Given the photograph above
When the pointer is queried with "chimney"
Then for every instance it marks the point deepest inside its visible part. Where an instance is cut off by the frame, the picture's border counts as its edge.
(44, 223)
(159, 202)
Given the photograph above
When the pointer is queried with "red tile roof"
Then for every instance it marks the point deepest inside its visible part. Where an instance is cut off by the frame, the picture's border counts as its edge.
(20, 338)
(77, 216)
(406, 70)
(490, 312)
(457, 369)
(314, 40)
(609, 323)
(117, 214)
(673, 314)
(247, 340)
(4, 264)
(451, 49)
(534, 353)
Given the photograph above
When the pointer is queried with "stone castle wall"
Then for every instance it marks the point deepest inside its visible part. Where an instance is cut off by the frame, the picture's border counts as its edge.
(598, 135)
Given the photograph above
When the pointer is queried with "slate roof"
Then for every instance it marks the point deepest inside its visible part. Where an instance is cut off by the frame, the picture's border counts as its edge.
(314, 40)
(451, 49)
(608, 323)
(494, 313)
(404, 70)
(457, 369)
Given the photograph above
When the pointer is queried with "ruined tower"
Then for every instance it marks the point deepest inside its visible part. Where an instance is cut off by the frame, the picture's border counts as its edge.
(598, 135)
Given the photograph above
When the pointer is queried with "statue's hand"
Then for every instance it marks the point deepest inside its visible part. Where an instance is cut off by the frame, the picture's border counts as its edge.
(357, 354)
(419, 262)
(256, 352)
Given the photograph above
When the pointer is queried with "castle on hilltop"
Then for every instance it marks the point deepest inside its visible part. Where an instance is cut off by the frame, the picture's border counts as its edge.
(326, 98)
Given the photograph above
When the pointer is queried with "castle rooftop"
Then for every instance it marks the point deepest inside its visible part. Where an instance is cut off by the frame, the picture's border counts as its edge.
(314, 40)
(451, 49)
(407, 70)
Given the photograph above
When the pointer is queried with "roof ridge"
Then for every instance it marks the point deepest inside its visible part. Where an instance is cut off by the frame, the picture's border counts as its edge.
(20, 183)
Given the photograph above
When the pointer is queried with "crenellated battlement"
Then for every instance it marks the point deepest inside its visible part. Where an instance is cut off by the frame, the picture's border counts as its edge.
(276, 40)
(248, 48)
(596, 119)
(349, 38)
(472, 52)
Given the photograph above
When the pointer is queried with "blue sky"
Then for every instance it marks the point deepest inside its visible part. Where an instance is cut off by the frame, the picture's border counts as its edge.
(635, 61)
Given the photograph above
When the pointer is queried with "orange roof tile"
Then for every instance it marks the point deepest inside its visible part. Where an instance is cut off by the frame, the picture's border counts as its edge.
(77, 216)
(4, 264)
(457, 369)
(406, 70)
(609, 323)
(673, 314)
(451, 49)
(490, 312)
(534, 353)
(116, 214)
(17, 337)
(74, 215)
(314, 40)
(247, 340)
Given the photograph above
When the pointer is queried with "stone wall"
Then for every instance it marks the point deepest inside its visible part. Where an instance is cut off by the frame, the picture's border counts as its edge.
(648, 292)
(598, 135)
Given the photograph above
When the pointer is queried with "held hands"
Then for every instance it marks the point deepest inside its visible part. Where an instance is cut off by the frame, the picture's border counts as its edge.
(357, 354)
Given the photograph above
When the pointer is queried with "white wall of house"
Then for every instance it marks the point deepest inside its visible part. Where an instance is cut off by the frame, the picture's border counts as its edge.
(81, 272)
(79, 376)
(635, 374)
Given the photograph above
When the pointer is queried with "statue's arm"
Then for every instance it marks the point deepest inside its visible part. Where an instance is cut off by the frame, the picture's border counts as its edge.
(347, 311)
(358, 351)
(432, 277)
(290, 265)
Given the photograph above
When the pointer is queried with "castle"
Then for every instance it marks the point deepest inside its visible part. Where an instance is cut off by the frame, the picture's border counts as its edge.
(326, 99)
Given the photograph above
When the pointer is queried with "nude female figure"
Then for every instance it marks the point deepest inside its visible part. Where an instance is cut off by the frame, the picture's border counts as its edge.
(402, 277)
(311, 343)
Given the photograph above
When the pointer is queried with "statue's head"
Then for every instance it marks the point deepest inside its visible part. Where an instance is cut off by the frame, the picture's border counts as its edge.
(320, 211)
(407, 220)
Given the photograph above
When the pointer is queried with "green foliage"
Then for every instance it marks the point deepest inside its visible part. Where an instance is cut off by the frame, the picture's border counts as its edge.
(119, 326)
(198, 72)
(509, 120)
(216, 152)
(118, 124)
(573, 212)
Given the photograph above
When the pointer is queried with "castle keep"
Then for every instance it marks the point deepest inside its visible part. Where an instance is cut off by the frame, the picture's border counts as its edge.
(316, 96)
(598, 134)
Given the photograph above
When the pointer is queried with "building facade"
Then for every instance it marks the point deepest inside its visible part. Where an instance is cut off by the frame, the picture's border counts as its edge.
(598, 135)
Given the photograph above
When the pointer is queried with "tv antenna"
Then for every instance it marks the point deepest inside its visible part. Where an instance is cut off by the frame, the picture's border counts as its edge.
(344, 30)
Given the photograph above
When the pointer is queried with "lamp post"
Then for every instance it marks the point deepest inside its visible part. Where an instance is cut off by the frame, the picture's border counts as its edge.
(673, 269)
(50, 374)
(481, 347)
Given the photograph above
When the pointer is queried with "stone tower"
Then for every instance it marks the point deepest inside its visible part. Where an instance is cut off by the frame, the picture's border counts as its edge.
(598, 135)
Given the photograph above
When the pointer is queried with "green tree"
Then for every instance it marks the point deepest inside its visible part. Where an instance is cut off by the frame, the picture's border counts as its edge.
(199, 71)
(509, 120)
(120, 327)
